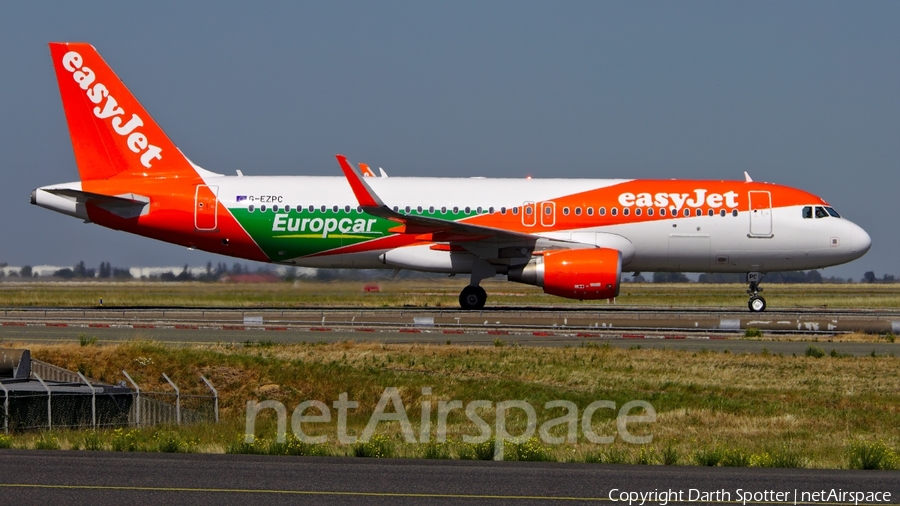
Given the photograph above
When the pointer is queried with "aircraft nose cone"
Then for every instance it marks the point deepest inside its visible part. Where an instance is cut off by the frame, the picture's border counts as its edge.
(861, 240)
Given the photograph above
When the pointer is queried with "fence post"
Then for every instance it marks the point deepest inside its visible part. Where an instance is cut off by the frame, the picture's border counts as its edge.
(137, 402)
(215, 396)
(5, 409)
(177, 400)
(93, 400)
(49, 398)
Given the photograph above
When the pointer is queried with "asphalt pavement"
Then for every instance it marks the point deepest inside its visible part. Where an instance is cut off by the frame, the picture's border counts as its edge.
(81, 477)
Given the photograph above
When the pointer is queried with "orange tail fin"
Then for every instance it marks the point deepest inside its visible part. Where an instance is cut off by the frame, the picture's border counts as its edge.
(112, 134)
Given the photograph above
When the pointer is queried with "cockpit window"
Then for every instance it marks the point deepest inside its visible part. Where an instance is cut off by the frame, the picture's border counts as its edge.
(807, 212)
(821, 212)
(832, 212)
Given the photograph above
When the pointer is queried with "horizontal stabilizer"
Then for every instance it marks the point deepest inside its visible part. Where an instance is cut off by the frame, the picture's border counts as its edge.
(125, 206)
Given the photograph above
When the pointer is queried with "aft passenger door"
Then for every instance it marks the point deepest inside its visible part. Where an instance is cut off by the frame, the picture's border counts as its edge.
(206, 204)
(760, 214)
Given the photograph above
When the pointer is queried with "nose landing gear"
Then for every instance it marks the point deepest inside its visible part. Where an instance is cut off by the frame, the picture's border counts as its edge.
(756, 303)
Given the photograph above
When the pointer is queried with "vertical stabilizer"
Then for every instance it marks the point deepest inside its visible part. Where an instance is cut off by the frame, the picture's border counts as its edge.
(112, 134)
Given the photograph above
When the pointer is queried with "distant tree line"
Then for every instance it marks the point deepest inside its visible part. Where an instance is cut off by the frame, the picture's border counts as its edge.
(812, 276)
(221, 271)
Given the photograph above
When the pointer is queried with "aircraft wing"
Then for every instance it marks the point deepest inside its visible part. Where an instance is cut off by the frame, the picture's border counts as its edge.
(438, 230)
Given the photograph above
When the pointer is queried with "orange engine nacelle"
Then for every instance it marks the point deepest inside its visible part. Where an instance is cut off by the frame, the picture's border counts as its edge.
(591, 273)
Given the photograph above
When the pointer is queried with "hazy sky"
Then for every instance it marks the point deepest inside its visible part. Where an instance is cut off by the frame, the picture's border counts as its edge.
(799, 93)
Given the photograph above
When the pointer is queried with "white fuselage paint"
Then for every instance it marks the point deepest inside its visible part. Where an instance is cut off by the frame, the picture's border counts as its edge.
(687, 244)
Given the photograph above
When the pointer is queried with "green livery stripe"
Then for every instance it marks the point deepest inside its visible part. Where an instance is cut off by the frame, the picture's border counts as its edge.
(283, 236)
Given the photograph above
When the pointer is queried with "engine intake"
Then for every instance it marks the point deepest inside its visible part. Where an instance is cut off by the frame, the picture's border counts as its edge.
(591, 273)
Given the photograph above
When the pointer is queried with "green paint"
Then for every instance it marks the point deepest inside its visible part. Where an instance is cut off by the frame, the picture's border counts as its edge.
(294, 234)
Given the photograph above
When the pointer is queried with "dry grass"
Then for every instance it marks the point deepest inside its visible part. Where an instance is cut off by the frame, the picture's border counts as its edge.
(433, 292)
(751, 404)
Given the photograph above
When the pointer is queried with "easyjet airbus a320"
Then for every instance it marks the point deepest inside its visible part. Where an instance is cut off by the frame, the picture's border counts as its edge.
(572, 237)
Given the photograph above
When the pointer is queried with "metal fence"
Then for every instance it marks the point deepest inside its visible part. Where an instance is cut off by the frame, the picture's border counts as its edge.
(50, 404)
(156, 408)
(54, 397)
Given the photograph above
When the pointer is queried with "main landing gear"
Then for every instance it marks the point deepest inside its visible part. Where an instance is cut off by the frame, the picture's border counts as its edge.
(472, 297)
(756, 303)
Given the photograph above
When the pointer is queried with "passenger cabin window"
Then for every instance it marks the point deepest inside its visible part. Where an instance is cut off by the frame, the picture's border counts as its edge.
(625, 211)
(502, 210)
(566, 211)
(821, 212)
(662, 212)
(637, 212)
(590, 211)
(614, 211)
(807, 213)
(577, 211)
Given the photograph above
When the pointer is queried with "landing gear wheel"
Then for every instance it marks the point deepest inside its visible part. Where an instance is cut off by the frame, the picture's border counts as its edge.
(757, 304)
(472, 297)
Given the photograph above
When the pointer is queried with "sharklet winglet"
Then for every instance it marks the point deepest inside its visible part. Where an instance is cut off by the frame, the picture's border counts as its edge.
(363, 192)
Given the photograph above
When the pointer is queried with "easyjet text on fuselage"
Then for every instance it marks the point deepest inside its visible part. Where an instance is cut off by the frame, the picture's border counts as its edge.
(699, 198)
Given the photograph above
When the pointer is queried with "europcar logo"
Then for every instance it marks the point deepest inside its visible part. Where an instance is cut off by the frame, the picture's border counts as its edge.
(283, 223)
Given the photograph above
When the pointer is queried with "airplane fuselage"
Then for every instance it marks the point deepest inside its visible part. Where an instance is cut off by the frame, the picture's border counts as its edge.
(670, 225)
(572, 237)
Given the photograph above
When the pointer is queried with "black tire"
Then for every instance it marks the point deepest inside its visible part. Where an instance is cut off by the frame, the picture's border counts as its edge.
(472, 297)
(757, 304)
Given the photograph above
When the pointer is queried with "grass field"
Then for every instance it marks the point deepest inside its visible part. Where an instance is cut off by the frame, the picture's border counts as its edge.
(816, 410)
(436, 292)
(712, 408)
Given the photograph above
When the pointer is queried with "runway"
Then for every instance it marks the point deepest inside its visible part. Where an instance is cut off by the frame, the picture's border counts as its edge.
(70, 477)
(785, 332)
